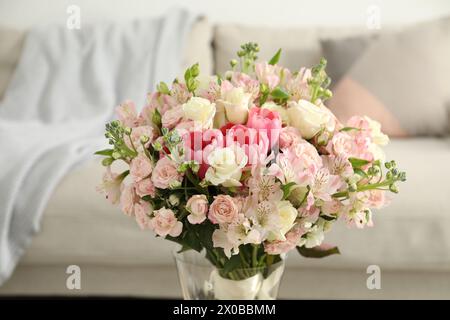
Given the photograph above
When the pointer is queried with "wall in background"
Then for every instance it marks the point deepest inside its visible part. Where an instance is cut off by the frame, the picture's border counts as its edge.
(25, 13)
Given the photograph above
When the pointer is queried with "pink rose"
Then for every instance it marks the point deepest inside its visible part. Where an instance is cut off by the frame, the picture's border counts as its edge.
(172, 117)
(145, 187)
(266, 122)
(289, 136)
(127, 200)
(197, 205)
(165, 174)
(142, 211)
(165, 223)
(223, 210)
(140, 167)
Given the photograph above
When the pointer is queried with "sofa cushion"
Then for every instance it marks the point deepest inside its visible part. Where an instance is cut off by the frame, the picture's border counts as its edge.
(80, 226)
(198, 48)
(412, 232)
(408, 74)
(341, 54)
(301, 47)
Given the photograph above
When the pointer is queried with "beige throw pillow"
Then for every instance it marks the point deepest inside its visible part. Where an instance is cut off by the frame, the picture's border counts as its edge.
(401, 80)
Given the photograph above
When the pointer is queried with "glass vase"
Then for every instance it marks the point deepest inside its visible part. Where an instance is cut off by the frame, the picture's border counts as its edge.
(201, 280)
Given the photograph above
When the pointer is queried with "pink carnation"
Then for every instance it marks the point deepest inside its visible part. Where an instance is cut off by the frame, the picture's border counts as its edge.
(140, 167)
(142, 211)
(165, 174)
(165, 223)
(128, 199)
(289, 136)
(172, 117)
(145, 187)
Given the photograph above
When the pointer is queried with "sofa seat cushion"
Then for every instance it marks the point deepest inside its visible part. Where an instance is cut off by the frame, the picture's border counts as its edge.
(79, 226)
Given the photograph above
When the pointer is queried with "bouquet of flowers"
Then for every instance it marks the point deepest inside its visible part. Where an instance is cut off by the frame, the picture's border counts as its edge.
(247, 165)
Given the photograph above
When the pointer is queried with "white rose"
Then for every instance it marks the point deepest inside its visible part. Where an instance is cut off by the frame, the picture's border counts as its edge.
(309, 118)
(378, 137)
(287, 215)
(236, 103)
(200, 110)
(226, 166)
(220, 119)
(272, 106)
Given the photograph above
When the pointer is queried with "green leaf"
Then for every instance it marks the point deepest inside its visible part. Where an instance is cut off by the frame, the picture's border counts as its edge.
(275, 58)
(328, 218)
(360, 172)
(345, 129)
(187, 75)
(233, 263)
(156, 118)
(287, 189)
(279, 93)
(105, 152)
(358, 163)
(163, 88)
(318, 252)
(190, 240)
(107, 161)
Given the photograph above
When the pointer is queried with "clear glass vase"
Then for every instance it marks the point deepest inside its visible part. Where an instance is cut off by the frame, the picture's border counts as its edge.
(200, 280)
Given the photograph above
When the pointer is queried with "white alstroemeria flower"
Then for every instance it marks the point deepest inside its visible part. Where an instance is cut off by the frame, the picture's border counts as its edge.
(220, 240)
(111, 185)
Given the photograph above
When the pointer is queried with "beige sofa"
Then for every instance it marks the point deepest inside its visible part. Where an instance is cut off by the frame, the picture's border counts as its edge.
(410, 241)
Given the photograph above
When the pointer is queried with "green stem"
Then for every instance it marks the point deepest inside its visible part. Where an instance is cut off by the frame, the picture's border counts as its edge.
(364, 188)
(255, 256)
(192, 179)
(244, 261)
